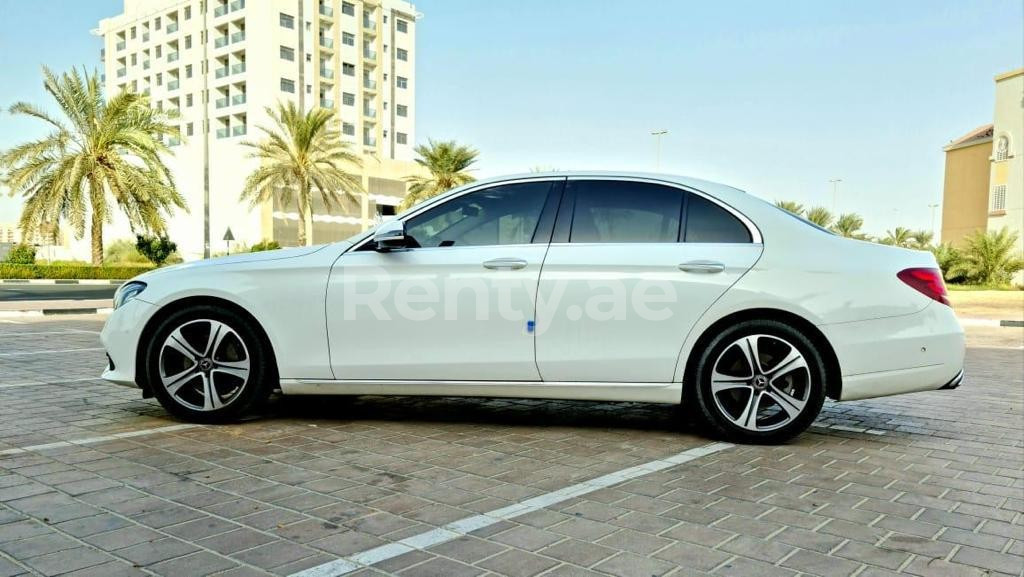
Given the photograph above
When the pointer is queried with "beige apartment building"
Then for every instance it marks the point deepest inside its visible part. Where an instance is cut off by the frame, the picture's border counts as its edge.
(984, 182)
(220, 63)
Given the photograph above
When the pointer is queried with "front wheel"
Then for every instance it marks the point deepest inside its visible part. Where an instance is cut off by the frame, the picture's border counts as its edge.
(207, 364)
(760, 381)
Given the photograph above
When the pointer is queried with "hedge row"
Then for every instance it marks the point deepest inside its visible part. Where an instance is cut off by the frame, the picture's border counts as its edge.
(65, 271)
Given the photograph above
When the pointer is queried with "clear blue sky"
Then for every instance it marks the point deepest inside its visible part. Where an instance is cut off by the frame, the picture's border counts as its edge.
(774, 97)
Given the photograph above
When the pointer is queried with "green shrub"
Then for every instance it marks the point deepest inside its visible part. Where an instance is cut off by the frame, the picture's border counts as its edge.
(949, 260)
(265, 245)
(155, 248)
(22, 254)
(988, 258)
(124, 252)
(32, 271)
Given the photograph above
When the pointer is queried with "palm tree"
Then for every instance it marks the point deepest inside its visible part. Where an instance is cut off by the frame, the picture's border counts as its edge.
(99, 150)
(791, 206)
(988, 257)
(922, 239)
(899, 236)
(447, 162)
(849, 225)
(301, 151)
(820, 216)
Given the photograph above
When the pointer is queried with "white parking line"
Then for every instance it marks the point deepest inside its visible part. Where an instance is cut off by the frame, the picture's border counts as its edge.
(35, 383)
(91, 440)
(67, 332)
(49, 352)
(459, 528)
(12, 322)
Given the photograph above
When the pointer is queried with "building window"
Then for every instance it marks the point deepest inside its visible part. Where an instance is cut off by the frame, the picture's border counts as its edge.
(402, 54)
(188, 42)
(287, 53)
(159, 79)
(348, 129)
(188, 12)
(348, 39)
(998, 198)
(135, 60)
(348, 99)
(156, 25)
(287, 21)
(1002, 149)
(287, 85)
(188, 100)
(188, 129)
(401, 138)
(159, 51)
(348, 8)
(402, 110)
(402, 25)
(402, 82)
(348, 69)
(188, 71)
(133, 33)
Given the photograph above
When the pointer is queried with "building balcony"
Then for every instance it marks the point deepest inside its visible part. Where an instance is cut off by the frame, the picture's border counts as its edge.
(370, 55)
(238, 130)
(326, 103)
(220, 10)
(326, 73)
(238, 68)
(145, 64)
(237, 5)
(369, 84)
(370, 112)
(370, 141)
(326, 11)
(172, 27)
(121, 45)
(221, 42)
(237, 99)
(173, 85)
(222, 72)
(223, 132)
(370, 26)
(173, 141)
(326, 42)
(121, 72)
(238, 37)
(172, 56)
(221, 102)
(145, 37)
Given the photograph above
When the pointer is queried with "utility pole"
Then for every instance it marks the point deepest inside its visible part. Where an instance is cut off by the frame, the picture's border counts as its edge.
(835, 188)
(933, 207)
(657, 134)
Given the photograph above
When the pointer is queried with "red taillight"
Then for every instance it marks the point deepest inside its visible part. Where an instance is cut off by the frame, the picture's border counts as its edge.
(927, 281)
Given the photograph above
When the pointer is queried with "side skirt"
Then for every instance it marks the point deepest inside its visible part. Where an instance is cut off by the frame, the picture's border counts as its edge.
(592, 391)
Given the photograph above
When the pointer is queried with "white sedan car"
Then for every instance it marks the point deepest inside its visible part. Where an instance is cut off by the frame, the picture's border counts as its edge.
(595, 286)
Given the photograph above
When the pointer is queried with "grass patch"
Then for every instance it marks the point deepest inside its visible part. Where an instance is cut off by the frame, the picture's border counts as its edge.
(70, 271)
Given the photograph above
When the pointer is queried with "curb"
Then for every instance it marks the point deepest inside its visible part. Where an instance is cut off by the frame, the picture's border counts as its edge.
(57, 312)
(60, 281)
(990, 323)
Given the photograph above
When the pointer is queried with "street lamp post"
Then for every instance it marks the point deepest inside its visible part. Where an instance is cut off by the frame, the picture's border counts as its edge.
(657, 134)
(933, 207)
(835, 188)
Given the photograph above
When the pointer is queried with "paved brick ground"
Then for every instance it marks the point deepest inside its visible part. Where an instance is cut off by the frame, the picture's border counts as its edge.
(925, 484)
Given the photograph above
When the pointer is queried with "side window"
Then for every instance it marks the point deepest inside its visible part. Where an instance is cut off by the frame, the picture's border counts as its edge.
(708, 222)
(505, 214)
(608, 211)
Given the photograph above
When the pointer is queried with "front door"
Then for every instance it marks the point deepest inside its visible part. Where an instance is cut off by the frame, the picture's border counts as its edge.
(632, 266)
(457, 304)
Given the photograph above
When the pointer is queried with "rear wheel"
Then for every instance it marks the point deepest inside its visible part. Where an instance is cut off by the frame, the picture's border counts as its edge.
(207, 364)
(760, 381)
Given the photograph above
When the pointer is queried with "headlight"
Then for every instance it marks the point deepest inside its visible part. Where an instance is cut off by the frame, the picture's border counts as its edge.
(127, 292)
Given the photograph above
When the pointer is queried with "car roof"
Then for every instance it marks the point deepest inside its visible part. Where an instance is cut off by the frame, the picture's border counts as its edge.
(690, 181)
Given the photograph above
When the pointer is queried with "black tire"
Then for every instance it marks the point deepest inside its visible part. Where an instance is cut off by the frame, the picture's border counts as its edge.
(236, 399)
(721, 415)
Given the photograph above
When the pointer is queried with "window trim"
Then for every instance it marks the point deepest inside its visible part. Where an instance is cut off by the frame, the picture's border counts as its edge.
(563, 224)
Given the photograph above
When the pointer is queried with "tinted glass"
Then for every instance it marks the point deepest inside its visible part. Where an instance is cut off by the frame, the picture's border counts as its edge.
(506, 214)
(621, 211)
(708, 222)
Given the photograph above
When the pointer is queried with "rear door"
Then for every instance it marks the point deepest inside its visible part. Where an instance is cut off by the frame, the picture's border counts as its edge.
(632, 265)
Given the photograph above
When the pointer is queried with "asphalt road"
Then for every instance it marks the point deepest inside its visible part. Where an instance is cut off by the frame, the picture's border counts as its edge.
(44, 292)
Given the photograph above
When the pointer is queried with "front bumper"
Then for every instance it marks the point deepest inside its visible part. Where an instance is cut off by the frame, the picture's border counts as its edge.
(120, 337)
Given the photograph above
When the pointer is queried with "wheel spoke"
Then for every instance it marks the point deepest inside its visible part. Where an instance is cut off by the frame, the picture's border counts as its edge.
(174, 382)
(178, 342)
(748, 346)
(213, 339)
(242, 373)
(720, 382)
(202, 363)
(790, 404)
(211, 400)
(793, 361)
(748, 418)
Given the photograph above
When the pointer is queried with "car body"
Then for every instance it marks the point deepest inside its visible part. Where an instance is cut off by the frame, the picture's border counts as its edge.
(365, 317)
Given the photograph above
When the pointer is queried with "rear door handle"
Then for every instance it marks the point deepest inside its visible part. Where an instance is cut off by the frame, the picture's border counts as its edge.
(702, 266)
(505, 263)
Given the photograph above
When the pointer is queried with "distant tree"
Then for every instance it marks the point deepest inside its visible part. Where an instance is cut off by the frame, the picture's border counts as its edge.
(157, 249)
(899, 236)
(820, 216)
(23, 253)
(988, 257)
(447, 162)
(949, 260)
(849, 225)
(98, 150)
(791, 206)
(265, 245)
(922, 239)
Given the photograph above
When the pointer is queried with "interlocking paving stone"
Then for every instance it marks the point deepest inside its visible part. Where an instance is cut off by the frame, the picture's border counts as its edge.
(935, 488)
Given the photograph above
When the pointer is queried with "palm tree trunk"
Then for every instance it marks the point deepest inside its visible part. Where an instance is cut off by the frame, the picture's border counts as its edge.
(97, 239)
(306, 215)
(302, 224)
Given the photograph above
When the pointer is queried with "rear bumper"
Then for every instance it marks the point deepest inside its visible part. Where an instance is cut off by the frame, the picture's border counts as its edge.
(905, 354)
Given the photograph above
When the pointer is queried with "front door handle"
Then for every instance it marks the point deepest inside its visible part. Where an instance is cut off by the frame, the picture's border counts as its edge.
(505, 263)
(702, 266)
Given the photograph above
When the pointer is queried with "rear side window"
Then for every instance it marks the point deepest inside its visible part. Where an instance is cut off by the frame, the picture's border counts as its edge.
(708, 222)
(620, 211)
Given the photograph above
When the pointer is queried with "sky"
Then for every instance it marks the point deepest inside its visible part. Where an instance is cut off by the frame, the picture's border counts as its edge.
(776, 98)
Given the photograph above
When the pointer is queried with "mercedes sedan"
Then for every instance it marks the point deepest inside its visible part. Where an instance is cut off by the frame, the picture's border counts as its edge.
(589, 286)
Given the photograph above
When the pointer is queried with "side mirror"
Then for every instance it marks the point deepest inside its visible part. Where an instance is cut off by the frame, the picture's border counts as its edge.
(390, 236)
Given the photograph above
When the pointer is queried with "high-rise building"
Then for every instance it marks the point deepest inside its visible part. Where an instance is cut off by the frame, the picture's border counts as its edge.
(220, 63)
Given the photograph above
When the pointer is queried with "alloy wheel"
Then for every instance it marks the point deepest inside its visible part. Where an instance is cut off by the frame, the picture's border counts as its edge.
(204, 365)
(761, 382)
